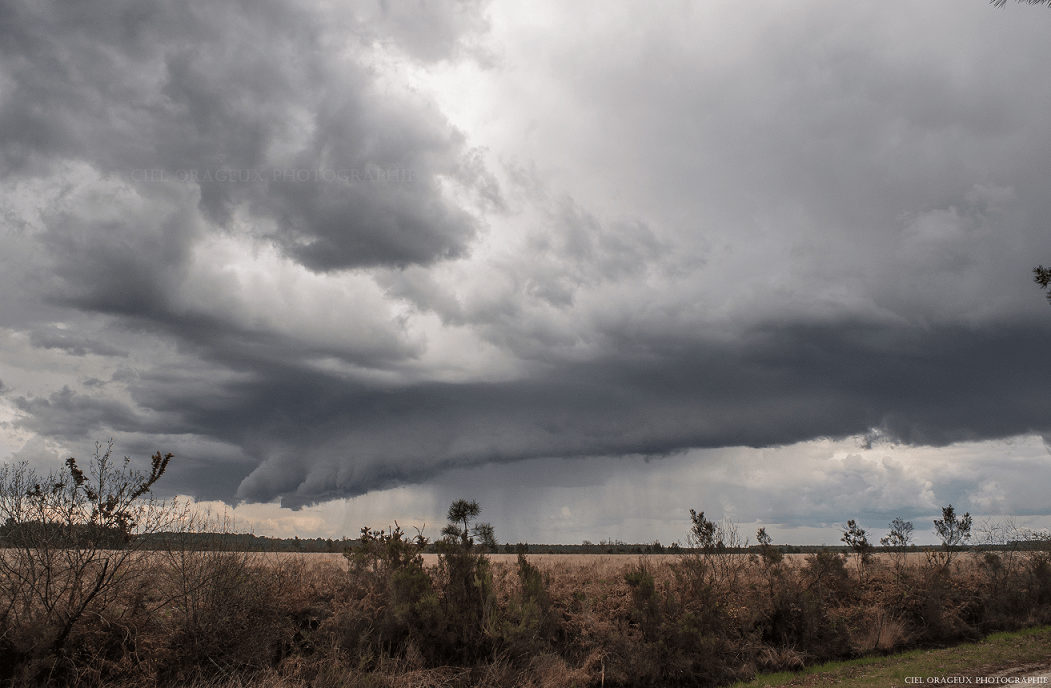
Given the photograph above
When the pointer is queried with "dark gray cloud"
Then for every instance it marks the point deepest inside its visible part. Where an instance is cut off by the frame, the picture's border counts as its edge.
(76, 346)
(67, 414)
(279, 97)
(294, 271)
(314, 437)
(783, 386)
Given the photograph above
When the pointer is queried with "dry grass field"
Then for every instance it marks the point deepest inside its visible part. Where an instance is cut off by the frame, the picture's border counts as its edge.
(391, 616)
(144, 594)
(102, 585)
(550, 560)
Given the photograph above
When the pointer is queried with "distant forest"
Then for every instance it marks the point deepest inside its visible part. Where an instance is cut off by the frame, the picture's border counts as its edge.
(246, 542)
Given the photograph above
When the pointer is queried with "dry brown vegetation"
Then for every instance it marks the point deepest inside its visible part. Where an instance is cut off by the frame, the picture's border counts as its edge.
(83, 602)
(225, 618)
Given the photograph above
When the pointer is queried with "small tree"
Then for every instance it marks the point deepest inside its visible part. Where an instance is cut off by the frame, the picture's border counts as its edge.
(900, 535)
(704, 534)
(855, 538)
(459, 528)
(772, 559)
(708, 570)
(769, 552)
(953, 531)
(898, 540)
(393, 587)
(713, 551)
(466, 580)
(486, 537)
(383, 553)
(1042, 276)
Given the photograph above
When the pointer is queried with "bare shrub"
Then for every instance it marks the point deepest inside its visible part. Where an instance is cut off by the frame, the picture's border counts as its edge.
(713, 555)
(1038, 573)
(954, 531)
(1015, 564)
(1001, 560)
(233, 620)
(73, 545)
(794, 616)
(898, 540)
(825, 574)
(855, 538)
(936, 606)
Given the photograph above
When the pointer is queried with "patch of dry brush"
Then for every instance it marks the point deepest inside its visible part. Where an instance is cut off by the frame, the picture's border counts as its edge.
(99, 588)
(229, 619)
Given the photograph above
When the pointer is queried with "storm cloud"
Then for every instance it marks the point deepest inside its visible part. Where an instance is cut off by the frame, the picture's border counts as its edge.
(321, 251)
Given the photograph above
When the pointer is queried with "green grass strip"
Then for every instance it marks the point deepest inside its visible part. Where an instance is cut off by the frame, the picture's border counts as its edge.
(999, 652)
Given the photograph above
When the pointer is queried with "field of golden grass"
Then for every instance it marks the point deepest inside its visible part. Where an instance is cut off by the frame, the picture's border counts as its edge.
(559, 620)
(550, 560)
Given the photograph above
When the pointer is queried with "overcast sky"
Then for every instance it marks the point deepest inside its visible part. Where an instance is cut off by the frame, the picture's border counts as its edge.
(591, 264)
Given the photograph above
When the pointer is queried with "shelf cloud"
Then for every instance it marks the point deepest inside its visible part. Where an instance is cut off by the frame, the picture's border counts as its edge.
(321, 250)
